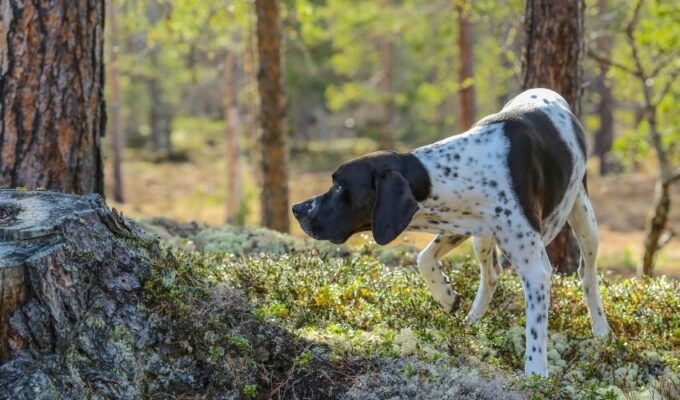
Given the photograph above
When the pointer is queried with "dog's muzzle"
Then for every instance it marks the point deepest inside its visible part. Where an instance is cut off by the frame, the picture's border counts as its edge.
(303, 212)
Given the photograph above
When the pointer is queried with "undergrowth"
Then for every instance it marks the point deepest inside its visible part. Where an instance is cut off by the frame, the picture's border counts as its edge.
(346, 312)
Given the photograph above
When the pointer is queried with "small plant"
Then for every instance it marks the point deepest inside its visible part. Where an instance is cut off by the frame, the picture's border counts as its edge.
(250, 390)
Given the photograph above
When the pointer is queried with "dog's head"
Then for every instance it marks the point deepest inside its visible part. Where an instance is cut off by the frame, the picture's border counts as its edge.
(378, 192)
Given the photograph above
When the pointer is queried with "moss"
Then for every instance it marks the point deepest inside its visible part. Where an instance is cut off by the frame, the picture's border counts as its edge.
(256, 303)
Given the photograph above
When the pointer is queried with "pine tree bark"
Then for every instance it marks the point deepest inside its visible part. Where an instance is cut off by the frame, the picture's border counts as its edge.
(466, 69)
(52, 110)
(117, 133)
(231, 130)
(552, 58)
(274, 195)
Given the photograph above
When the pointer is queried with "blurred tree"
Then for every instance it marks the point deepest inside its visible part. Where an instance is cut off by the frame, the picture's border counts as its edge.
(117, 134)
(552, 59)
(386, 51)
(656, 66)
(160, 112)
(604, 136)
(52, 111)
(231, 130)
(274, 196)
(466, 68)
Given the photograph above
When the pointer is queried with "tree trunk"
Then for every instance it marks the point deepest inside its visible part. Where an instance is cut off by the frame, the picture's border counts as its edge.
(386, 49)
(658, 232)
(274, 195)
(466, 69)
(253, 109)
(117, 133)
(69, 264)
(52, 110)
(552, 59)
(604, 136)
(160, 115)
(231, 131)
(658, 225)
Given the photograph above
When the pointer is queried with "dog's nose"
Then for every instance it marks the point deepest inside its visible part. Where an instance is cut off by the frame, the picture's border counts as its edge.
(300, 209)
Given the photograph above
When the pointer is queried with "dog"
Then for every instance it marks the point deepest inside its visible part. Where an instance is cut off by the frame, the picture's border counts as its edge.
(512, 181)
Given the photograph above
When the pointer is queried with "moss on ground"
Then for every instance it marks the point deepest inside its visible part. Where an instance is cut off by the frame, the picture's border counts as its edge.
(283, 317)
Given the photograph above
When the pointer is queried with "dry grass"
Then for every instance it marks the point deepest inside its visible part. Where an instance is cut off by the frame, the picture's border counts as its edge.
(195, 190)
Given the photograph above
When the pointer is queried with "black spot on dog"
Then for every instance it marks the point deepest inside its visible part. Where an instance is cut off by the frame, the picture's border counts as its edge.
(534, 334)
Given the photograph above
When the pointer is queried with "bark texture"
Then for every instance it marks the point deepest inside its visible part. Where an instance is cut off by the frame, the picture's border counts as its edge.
(466, 70)
(274, 195)
(52, 111)
(78, 271)
(552, 59)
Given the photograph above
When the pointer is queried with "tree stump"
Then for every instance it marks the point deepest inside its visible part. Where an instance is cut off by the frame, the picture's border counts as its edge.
(71, 274)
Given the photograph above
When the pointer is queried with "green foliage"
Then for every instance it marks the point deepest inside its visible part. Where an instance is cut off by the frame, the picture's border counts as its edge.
(656, 35)
(360, 307)
(250, 390)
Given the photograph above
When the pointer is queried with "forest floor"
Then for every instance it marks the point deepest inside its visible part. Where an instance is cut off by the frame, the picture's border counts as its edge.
(277, 316)
(194, 190)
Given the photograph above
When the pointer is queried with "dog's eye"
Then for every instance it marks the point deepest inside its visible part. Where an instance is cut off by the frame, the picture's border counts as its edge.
(337, 188)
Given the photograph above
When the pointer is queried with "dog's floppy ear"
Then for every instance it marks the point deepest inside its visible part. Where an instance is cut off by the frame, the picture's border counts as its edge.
(394, 207)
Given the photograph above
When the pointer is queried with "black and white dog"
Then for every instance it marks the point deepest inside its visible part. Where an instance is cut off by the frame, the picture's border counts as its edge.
(513, 180)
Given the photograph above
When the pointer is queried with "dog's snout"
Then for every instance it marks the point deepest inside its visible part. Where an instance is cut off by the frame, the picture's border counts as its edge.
(301, 209)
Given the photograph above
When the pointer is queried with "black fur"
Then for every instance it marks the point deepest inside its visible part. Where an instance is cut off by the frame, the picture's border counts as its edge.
(539, 161)
(377, 192)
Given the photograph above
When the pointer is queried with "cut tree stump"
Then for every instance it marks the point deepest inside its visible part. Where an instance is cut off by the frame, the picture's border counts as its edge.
(77, 322)
(71, 274)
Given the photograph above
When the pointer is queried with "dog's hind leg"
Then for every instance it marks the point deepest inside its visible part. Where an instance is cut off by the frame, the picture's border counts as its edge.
(430, 269)
(526, 251)
(489, 272)
(582, 222)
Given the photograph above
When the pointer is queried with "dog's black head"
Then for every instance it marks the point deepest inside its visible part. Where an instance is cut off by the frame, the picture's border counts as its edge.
(378, 192)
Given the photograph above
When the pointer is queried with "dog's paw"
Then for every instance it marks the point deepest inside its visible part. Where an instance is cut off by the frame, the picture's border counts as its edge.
(449, 302)
(472, 318)
(602, 332)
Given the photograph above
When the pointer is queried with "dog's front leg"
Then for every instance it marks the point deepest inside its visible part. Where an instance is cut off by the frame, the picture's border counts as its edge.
(430, 269)
(488, 277)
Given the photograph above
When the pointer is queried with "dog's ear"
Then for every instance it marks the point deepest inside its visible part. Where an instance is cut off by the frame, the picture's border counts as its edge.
(394, 207)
